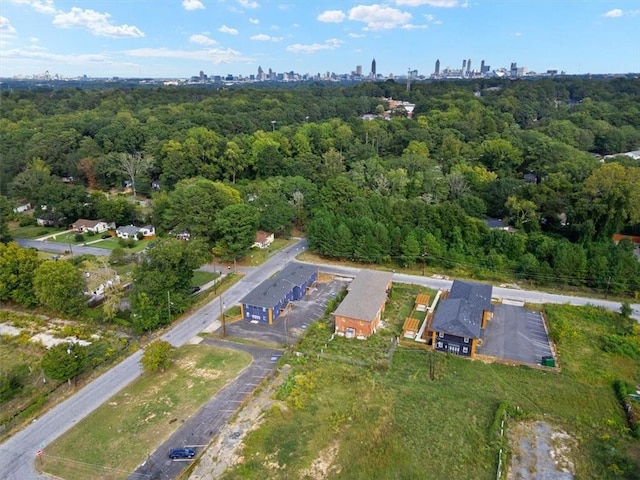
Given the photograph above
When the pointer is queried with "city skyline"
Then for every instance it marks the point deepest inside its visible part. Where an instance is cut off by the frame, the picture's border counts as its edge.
(179, 38)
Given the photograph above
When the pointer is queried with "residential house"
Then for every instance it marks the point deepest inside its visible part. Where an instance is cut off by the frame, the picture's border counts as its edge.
(267, 301)
(25, 207)
(263, 239)
(99, 280)
(131, 231)
(360, 313)
(95, 226)
(460, 318)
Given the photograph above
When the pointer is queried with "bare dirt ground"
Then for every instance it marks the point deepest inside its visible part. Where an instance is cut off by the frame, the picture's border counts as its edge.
(226, 449)
(540, 452)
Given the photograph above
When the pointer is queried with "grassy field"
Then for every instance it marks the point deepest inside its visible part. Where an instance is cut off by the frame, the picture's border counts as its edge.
(34, 231)
(352, 414)
(117, 437)
(200, 278)
(258, 256)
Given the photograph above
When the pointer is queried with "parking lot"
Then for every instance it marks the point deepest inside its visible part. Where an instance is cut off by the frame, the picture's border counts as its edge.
(289, 327)
(517, 334)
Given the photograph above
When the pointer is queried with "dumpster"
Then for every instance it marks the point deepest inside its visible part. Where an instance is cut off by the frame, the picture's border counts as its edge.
(548, 362)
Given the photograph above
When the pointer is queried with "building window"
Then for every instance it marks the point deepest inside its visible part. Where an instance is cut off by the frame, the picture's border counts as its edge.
(440, 334)
(439, 344)
(466, 339)
(465, 349)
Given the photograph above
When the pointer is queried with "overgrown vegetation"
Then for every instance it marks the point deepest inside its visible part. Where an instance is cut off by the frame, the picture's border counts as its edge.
(397, 423)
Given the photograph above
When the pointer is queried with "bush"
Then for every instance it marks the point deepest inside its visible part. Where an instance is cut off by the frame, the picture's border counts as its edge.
(78, 237)
(27, 221)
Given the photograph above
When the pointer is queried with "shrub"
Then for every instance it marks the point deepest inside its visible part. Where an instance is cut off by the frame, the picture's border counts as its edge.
(27, 221)
(78, 237)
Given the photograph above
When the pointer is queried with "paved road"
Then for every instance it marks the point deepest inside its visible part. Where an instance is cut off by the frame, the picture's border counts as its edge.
(62, 247)
(17, 454)
(200, 429)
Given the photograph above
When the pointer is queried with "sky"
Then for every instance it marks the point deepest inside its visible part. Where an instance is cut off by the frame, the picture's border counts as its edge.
(180, 38)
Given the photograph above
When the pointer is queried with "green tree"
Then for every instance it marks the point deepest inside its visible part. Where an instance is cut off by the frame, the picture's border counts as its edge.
(410, 249)
(64, 361)
(17, 271)
(157, 356)
(236, 229)
(5, 214)
(59, 286)
(134, 166)
(28, 183)
(500, 156)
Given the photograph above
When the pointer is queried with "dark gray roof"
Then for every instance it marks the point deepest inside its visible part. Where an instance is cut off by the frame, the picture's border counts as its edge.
(461, 312)
(495, 223)
(272, 290)
(130, 230)
(367, 293)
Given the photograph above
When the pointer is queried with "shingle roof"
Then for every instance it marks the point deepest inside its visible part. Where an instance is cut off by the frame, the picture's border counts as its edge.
(272, 290)
(367, 293)
(83, 222)
(461, 312)
(131, 230)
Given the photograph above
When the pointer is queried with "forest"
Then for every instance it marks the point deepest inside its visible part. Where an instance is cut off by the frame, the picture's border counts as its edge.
(394, 188)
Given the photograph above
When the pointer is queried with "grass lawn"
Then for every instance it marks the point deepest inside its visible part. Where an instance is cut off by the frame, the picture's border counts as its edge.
(346, 407)
(34, 231)
(116, 437)
(200, 277)
(257, 256)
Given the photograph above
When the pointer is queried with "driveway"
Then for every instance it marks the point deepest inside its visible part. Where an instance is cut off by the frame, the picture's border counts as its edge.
(198, 431)
(517, 334)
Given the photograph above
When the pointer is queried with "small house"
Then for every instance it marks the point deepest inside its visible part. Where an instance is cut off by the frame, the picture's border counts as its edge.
(267, 301)
(460, 318)
(94, 226)
(360, 313)
(131, 231)
(263, 239)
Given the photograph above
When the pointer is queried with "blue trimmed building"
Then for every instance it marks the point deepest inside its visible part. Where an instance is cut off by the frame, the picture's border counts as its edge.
(271, 297)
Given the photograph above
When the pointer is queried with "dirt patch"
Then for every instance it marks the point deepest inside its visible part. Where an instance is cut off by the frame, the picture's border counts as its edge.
(226, 449)
(322, 467)
(538, 451)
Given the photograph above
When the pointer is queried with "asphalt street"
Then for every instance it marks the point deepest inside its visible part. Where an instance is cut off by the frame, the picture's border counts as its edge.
(17, 454)
(200, 429)
(62, 247)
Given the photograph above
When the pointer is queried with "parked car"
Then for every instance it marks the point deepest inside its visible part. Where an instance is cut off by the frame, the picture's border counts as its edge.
(195, 290)
(105, 236)
(182, 453)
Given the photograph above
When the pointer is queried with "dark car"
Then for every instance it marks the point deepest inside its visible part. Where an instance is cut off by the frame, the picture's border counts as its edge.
(105, 236)
(182, 453)
(195, 290)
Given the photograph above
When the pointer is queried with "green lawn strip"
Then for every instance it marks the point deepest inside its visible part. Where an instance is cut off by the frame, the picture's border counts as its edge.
(201, 277)
(34, 231)
(117, 436)
(389, 422)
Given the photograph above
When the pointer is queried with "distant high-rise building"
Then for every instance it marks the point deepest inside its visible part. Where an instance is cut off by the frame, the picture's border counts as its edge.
(437, 72)
(464, 65)
(514, 69)
(373, 67)
(260, 73)
(468, 66)
(359, 70)
(482, 66)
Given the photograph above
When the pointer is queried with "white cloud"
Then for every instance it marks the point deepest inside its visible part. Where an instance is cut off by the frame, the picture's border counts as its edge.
(431, 3)
(38, 53)
(379, 17)
(330, 44)
(96, 22)
(193, 5)
(214, 55)
(410, 26)
(518, 34)
(332, 16)
(248, 4)
(6, 29)
(255, 21)
(261, 37)
(40, 6)
(356, 35)
(615, 13)
(202, 39)
(429, 18)
(229, 30)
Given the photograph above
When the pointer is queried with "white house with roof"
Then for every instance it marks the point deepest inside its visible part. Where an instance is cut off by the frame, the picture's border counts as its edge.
(96, 226)
(131, 231)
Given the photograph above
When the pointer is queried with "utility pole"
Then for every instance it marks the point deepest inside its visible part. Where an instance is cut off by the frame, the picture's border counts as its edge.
(224, 325)
(169, 303)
